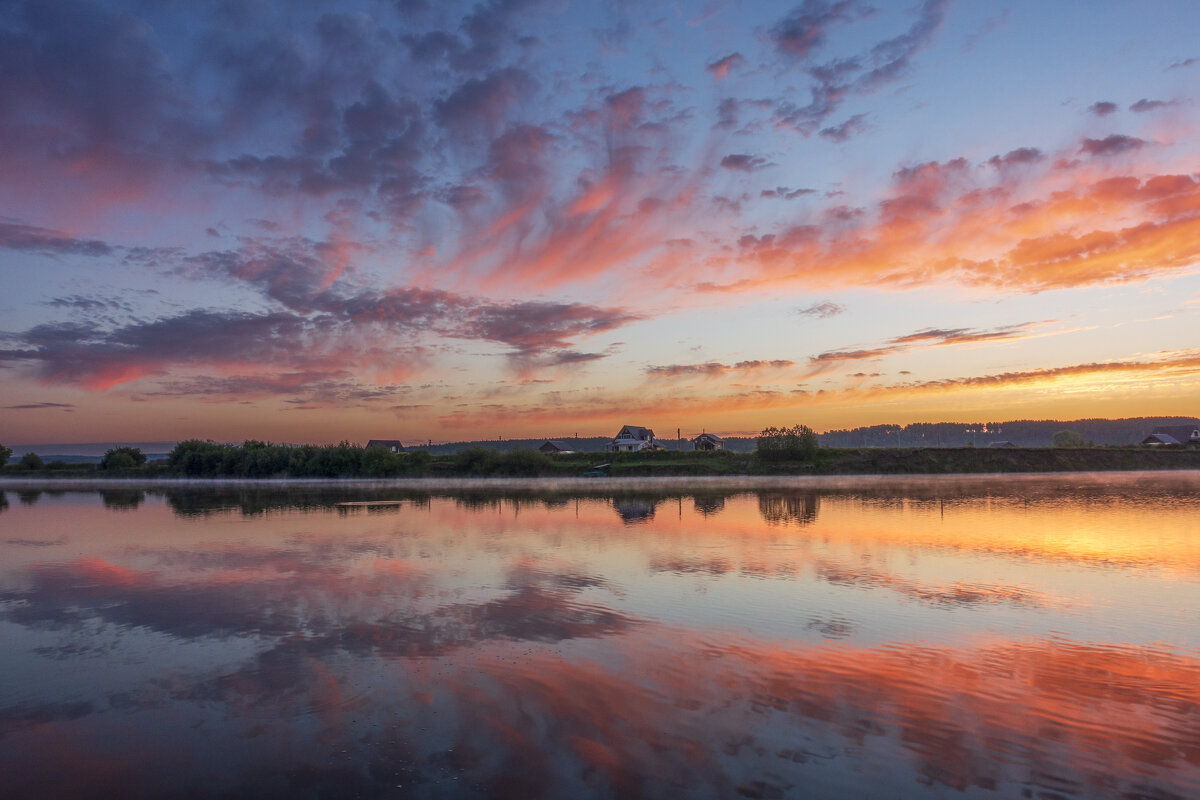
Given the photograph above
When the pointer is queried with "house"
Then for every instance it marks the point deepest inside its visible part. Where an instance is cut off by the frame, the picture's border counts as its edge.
(708, 441)
(554, 447)
(632, 438)
(1001, 443)
(1174, 434)
(392, 445)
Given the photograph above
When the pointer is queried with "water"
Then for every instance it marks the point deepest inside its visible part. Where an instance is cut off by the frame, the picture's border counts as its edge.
(992, 637)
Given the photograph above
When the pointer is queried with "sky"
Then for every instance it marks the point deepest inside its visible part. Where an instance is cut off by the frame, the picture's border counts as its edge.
(312, 221)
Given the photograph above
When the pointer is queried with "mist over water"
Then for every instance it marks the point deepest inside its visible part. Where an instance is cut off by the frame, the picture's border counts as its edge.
(993, 636)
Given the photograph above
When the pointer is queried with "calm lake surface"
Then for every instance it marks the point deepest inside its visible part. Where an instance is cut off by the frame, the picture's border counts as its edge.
(1001, 636)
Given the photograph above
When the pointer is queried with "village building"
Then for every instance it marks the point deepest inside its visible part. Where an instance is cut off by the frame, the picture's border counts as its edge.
(552, 446)
(1174, 434)
(1002, 443)
(631, 439)
(392, 445)
(708, 441)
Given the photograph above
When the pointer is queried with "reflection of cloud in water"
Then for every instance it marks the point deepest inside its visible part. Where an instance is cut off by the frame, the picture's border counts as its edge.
(956, 594)
(455, 651)
(664, 714)
(268, 592)
(36, 542)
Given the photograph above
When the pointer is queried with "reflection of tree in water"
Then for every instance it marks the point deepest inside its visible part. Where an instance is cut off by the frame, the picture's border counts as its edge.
(122, 499)
(636, 509)
(780, 508)
(709, 503)
(3, 501)
(29, 498)
(498, 501)
(250, 501)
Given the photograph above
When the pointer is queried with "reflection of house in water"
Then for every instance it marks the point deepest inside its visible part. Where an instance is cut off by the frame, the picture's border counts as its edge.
(709, 503)
(635, 509)
(780, 508)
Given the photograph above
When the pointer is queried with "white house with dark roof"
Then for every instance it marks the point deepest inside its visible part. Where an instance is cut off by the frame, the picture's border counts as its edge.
(632, 438)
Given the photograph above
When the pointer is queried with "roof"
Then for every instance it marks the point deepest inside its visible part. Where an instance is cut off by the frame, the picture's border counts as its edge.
(1160, 438)
(1002, 443)
(1180, 433)
(711, 436)
(556, 444)
(385, 443)
(636, 432)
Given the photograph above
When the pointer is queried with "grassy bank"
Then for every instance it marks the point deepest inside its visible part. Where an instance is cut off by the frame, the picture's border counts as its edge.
(348, 461)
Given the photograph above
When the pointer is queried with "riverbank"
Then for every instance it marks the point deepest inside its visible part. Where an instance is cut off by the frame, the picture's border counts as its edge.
(663, 464)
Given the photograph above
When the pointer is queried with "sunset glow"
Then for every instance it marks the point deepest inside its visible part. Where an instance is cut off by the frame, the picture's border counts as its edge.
(308, 222)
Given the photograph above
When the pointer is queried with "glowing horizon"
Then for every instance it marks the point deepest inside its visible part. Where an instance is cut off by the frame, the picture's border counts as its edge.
(528, 218)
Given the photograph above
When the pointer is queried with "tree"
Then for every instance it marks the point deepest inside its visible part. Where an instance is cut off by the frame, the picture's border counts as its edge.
(5, 454)
(122, 458)
(31, 461)
(1067, 439)
(787, 444)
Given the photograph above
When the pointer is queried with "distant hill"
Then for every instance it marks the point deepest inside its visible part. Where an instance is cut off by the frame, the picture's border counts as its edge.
(1022, 432)
(87, 452)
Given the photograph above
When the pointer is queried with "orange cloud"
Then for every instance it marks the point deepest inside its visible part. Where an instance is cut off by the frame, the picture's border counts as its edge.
(1018, 222)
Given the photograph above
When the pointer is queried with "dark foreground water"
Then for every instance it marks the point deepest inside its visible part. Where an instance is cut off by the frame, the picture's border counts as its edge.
(993, 637)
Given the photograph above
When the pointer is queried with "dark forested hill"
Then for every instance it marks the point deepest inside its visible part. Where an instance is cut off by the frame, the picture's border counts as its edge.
(1021, 432)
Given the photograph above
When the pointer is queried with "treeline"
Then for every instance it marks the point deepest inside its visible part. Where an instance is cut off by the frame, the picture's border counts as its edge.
(253, 459)
(581, 444)
(1021, 432)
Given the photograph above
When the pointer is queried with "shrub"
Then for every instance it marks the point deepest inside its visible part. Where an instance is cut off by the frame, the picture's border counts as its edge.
(379, 462)
(524, 462)
(122, 458)
(476, 460)
(1067, 439)
(31, 461)
(787, 444)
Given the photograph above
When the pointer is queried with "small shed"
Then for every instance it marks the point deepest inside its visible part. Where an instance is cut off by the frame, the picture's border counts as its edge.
(1159, 439)
(1001, 443)
(708, 441)
(392, 445)
(553, 446)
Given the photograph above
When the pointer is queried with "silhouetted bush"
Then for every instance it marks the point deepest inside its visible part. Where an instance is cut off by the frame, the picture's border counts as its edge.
(1066, 439)
(122, 458)
(797, 443)
(31, 461)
